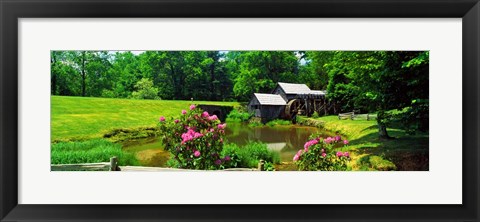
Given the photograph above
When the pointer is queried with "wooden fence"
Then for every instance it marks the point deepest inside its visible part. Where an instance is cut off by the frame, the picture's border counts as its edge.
(105, 166)
(353, 116)
(113, 166)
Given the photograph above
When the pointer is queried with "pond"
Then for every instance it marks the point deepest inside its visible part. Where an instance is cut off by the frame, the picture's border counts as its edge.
(285, 139)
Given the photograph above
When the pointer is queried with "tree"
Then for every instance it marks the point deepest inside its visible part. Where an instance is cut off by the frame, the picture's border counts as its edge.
(377, 81)
(313, 72)
(145, 90)
(259, 71)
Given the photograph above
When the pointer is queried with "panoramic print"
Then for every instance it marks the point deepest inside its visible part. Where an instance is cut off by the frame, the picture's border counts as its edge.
(239, 111)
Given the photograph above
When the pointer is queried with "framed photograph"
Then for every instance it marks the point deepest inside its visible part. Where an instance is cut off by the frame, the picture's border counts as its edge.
(224, 110)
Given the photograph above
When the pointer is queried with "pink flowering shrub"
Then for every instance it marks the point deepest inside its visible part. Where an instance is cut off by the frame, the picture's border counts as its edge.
(195, 139)
(322, 154)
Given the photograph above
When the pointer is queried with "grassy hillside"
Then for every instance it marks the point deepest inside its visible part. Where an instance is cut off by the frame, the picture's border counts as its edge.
(87, 117)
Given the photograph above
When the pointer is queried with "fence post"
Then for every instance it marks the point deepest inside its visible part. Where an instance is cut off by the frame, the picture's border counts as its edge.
(368, 117)
(113, 163)
(261, 165)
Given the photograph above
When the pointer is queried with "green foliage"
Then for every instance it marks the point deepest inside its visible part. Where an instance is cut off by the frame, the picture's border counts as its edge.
(259, 71)
(321, 154)
(125, 134)
(238, 116)
(176, 74)
(378, 81)
(268, 166)
(255, 124)
(313, 72)
(82, 73)
(91, 151)
(278, 122)
(195, 139)
(249, 155)
(420, 59)
(415, 118)
(145, 90)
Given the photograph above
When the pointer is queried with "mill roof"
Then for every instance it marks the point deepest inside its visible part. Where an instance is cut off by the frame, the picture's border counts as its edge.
(318, 92)
(294, 88)
(270, 99)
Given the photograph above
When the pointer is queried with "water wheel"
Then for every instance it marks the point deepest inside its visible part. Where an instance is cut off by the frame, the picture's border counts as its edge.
(292, 108)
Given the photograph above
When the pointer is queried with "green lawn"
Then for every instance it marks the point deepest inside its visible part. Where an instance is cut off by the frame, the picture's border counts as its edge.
(408, 152)
(88, 117)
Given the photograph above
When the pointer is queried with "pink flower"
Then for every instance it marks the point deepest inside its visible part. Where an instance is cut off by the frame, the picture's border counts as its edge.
(324, 154)
(345, 142)
(300, 152)
(296, 157)
(222, 126)
(221, 140)
(205, 114)
(338, 138)
(227, 158)
(196, 153)
(213, 118)
(323, 150)
(176, 121)
(192, 107)
(309, 144)
(184, 112)
(162, 119)
(346, 154)
(190, 135)
(218, 162)
(339, 154)
(328, 140)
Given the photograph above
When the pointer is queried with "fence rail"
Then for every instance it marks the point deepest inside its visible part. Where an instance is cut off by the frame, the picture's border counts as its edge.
(353, 116)
(104, 166)
(113, 166)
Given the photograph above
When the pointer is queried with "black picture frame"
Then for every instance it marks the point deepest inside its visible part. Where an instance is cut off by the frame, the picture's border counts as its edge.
(11, 11)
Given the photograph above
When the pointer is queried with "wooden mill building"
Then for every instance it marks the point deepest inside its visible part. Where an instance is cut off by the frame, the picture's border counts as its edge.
(286, 101)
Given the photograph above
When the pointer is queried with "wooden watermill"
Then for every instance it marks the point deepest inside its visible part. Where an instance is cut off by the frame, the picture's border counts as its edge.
(286, 101)
(292, 108)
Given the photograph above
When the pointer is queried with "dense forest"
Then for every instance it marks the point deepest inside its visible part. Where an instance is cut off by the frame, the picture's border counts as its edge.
(373, 81)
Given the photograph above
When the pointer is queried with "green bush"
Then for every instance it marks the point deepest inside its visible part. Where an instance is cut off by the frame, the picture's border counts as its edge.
(321, 154)
(238, 116)
(90, 151)
(195, 140)
(278, 122)
(145, 89)
(249, 155)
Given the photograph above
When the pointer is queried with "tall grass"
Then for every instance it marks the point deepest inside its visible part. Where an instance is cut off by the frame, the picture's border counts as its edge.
(90, 151)
(249, 155)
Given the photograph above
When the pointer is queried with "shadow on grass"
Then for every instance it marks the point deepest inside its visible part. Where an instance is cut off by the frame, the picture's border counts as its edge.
(408, 153)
